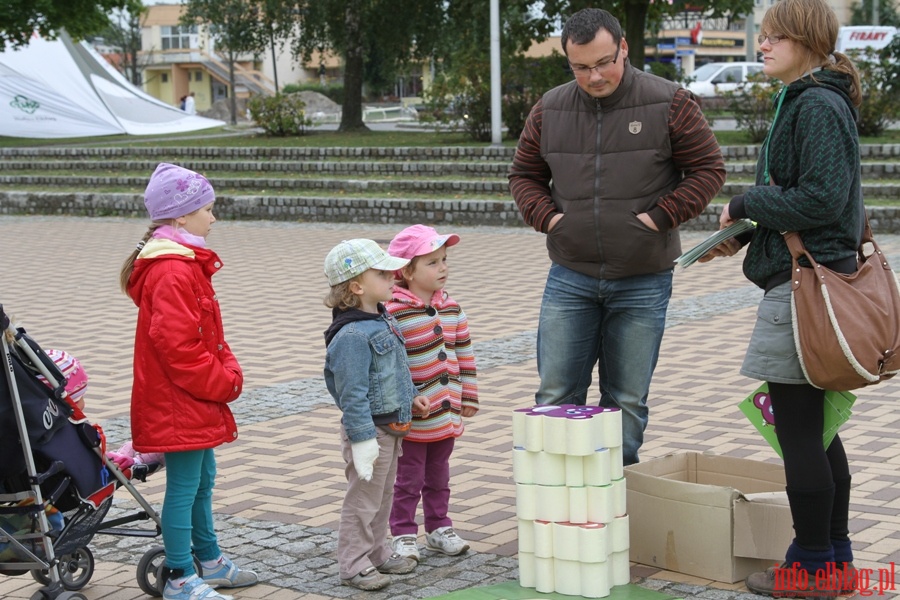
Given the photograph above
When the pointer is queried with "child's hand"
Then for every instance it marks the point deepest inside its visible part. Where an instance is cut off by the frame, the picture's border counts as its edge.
(469, 411)
(421, 406)
(364, 455)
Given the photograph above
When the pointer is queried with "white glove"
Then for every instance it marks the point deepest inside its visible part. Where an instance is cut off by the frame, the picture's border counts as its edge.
(364, 455)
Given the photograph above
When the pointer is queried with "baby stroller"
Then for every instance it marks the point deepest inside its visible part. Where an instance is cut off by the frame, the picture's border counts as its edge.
(56, 482)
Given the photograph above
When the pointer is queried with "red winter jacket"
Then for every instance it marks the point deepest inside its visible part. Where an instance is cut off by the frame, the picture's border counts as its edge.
(184, 371)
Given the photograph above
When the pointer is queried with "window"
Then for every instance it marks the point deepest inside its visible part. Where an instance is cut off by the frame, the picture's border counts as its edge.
(176, 36)
(730, 75)
(198, 76)
(165, 78)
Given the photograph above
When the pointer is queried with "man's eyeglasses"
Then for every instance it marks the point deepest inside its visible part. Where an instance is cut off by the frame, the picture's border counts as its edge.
(599, 67)
(772, 37)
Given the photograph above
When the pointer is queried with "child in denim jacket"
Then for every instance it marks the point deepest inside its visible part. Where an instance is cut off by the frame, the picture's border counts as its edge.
(364, 345)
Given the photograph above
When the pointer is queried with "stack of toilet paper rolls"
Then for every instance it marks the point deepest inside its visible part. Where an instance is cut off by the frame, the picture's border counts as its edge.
(570, 499)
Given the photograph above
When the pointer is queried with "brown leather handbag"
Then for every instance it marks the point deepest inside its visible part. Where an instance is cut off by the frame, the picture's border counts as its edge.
(846, 327)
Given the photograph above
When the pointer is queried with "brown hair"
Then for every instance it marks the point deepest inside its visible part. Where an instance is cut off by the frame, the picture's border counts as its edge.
(409, 268)
(340, 296)
(128, 265)
(813, 25)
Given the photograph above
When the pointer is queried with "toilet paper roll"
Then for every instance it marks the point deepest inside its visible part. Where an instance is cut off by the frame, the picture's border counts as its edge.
(619, 538)
(612, 427)
(526, 536)
(526, 501)
(619, 570)
(616, 468)
(567, 577)
(543, 575)
(593, 543)
(565, 541)
(543, 539)
(534, 432)
(581, 435)
(574, 471)
(526, 569)
(523, 465)
(552, 503)
(618, 491)
(597, 467)
(578, 503)
(600, 504)
(594, 579)
(554, 433)
(518, 427)
(549, 469)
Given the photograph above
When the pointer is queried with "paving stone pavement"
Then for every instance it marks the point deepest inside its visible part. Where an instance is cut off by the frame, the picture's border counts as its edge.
(280, 484)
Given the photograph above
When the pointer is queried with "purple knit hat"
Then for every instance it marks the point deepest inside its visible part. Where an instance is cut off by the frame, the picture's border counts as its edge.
(174, 191)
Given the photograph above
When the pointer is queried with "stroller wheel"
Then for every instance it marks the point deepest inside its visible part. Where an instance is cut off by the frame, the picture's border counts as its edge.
(49, 594)
(149, 571)
(75, 570)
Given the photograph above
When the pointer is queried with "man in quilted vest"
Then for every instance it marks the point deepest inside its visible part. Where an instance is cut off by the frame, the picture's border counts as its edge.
(608, 166)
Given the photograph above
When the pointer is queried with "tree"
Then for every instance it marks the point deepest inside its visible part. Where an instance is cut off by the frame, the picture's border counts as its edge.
(124, 32)
(402, 30)
(19, 19)
(862, 13)
(235, 27)
(638, 17)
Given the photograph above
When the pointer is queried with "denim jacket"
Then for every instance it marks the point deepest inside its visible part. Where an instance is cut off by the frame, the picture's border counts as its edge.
(367, 374)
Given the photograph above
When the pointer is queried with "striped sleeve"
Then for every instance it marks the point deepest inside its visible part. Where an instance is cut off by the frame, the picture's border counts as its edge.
(466, 357)
(697, 155)
(529, 175)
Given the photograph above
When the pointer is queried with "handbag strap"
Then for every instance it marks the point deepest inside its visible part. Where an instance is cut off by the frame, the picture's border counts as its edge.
(798, 249)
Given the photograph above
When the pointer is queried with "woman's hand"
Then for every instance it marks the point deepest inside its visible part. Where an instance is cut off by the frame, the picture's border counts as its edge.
(729, 247)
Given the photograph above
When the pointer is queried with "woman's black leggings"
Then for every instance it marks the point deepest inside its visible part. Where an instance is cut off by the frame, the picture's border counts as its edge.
(818, 480)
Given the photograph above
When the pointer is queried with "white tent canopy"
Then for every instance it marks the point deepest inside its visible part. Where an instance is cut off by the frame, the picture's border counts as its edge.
(60, 89)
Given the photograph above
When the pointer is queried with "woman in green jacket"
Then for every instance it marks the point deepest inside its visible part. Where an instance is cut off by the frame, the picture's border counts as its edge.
(808, 180)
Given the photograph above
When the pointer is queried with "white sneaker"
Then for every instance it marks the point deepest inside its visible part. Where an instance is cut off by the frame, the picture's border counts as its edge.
(405, 545)
(444, 539)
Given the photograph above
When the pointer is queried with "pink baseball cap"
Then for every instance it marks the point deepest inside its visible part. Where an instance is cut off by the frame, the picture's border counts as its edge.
(418, 240)
(76, 378)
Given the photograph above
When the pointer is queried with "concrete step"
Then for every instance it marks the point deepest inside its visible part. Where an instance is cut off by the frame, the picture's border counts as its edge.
(277, 167)
(418, 185)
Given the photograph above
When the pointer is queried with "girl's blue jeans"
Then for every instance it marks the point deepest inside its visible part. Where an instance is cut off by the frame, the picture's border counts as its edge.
(616, 324)
(187, 517)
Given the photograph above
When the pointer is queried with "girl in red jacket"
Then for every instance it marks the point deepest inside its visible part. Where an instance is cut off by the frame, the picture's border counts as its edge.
(184, 376)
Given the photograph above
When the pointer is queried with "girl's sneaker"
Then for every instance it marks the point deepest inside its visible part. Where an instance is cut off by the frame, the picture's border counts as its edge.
(444, 539)
(405, 545)
(229, 575)
(193, 588)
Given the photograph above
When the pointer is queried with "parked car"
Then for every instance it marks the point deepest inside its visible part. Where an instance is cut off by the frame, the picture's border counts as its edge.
(714, 78)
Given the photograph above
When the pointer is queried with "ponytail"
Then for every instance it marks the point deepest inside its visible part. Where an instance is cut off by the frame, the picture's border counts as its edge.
(842, 64)
(128, 265)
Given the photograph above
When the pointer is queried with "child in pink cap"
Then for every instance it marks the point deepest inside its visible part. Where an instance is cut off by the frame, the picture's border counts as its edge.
(443, 368)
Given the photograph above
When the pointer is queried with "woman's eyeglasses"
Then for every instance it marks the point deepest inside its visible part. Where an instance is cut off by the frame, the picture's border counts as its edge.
(772, 37)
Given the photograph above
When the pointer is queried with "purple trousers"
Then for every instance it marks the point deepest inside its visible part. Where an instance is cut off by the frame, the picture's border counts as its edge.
(423, 472)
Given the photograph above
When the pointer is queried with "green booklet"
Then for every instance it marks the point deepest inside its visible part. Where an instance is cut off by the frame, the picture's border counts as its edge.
(758, 409)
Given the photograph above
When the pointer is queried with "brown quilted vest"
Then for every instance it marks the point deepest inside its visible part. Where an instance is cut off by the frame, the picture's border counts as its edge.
(611, 159)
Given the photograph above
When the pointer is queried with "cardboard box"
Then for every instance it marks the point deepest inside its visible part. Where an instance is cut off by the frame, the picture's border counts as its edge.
(710, 516)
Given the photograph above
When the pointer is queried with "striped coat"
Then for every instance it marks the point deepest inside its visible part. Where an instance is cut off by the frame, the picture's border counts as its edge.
(440, 358)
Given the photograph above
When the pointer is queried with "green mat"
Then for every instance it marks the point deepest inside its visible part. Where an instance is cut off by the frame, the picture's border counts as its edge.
(513, 591)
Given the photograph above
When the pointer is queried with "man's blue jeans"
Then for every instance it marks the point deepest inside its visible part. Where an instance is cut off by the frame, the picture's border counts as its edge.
(616, 322)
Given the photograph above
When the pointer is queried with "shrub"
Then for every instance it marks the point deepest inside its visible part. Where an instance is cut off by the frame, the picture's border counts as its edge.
(464, 99)
(878, 73)
(751, 105)
(280, 115)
